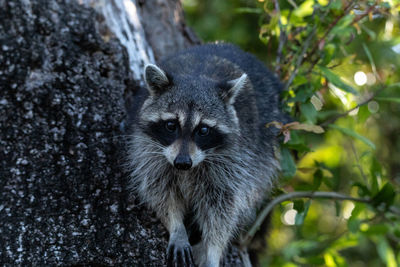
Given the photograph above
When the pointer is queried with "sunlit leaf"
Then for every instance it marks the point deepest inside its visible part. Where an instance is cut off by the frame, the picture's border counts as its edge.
(317, 103)
(363, 113)
(370, 58)
(306, 127)
(354, 135)
(305, 9)
(335, 80)
(386, 253)
(345, 242)
(323, 2)
(329, 260)
(358, 208)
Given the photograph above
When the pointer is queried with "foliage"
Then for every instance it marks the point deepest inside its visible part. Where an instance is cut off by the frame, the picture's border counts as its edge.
(339, 62)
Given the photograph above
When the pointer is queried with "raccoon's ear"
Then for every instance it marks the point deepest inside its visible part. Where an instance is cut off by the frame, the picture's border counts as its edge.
(231, 88)
(156, 79)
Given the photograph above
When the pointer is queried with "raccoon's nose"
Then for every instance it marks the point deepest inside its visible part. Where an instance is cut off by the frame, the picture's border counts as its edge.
(183, 162)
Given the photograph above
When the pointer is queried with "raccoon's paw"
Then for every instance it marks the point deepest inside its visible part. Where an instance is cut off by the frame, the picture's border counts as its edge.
(179, 254)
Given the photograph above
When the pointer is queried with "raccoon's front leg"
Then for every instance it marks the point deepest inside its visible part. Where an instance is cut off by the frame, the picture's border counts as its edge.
(179, 251)
(217, 225)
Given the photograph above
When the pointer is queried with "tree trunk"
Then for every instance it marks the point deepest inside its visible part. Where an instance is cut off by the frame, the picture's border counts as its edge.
(67, 69)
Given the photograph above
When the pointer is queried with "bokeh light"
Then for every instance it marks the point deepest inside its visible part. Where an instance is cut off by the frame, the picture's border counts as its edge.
(360, 78)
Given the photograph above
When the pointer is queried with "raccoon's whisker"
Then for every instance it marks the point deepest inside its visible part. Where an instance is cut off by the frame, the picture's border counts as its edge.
(147, 141)
(153, 153)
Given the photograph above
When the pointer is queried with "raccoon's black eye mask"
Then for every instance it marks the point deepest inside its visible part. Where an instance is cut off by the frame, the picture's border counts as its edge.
(207, 137)
(167, 132)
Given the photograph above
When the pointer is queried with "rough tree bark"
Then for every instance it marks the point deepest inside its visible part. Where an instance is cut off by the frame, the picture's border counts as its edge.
(66, 70)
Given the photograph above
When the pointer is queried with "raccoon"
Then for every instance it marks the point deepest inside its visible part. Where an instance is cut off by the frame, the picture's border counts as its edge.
(200, 147)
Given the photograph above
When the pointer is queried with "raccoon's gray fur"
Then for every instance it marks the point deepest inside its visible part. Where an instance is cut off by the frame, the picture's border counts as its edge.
(200, 146)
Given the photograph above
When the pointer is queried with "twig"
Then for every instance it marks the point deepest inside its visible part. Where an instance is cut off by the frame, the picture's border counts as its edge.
(301, 57)
(358, 18)
(305, 194)
(304, 55)
(335, 118)
(358, 163)
(282, 38)
(330, 27)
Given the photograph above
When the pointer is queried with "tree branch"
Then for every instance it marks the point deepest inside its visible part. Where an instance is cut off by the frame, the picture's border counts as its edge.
(301, 194)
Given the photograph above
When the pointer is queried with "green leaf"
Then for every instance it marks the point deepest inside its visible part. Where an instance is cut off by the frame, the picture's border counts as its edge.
(389, 99)
(362, 189)
(248, 10)
(397, 232)
(370, 58)
(354, 222)
(318, 175)
(309, 112)
(386, 253)
(303, 93)
(299, 147)
(305, 9)
(363, 113)
(298, 205)
(376, 173)
(385, 196)
(370, 32)
(353, 225)
(299, 80)
(335, 80)
(393, 85)
(287, 163)
(329, 52)
(354, 135)
(379, 229)
(300, 216)
(358, 208)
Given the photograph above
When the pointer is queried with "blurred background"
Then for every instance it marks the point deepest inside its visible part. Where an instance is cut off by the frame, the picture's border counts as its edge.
(339, 61)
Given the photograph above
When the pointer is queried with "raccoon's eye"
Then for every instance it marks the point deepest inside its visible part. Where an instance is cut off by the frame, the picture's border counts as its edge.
(203, 130)
(171, 126)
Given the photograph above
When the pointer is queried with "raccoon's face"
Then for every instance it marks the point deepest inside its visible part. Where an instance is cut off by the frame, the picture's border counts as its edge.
(189, 118)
